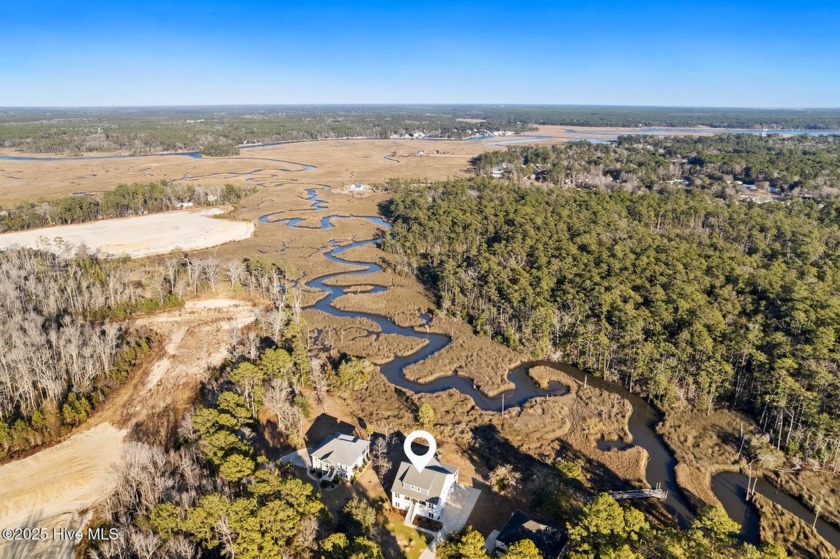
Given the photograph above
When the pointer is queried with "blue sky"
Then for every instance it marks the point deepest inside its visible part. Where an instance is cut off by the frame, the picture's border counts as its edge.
(737, 53)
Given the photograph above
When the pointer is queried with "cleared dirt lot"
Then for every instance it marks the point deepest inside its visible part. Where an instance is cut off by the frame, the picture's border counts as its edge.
(135, 236)
(57, 487)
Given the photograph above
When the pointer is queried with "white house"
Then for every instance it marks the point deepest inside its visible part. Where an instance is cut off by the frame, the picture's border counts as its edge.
(340, 455)
(423, 493)
(358, 187)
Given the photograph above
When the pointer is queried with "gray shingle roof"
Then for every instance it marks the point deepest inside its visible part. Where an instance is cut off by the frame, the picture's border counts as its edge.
(341, 449)
(424, 486)
(549, 540)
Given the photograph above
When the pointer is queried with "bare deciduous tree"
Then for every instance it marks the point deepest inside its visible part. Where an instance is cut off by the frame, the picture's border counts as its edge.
(379, 456)
(278, 400)
(319, 382)
(210, 267)
(234, 271)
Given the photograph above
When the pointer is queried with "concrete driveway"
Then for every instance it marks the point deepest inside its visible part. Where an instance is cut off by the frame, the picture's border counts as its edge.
(299, 458)
(454, 516)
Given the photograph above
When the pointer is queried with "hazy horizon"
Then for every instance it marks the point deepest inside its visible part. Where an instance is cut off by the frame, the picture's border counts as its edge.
(418, 105)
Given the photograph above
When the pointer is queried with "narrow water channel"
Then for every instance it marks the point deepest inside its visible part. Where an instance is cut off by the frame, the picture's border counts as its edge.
(730, 488)
(660, 467)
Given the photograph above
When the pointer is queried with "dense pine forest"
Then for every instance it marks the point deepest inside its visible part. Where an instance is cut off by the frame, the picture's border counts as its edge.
(728, 165)
(126, 200)
(718, 117)
(678, 295)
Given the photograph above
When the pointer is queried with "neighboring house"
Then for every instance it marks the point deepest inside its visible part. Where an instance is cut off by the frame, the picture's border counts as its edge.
(423, 493)
(552, 542)
(499, 171)
(340, 455)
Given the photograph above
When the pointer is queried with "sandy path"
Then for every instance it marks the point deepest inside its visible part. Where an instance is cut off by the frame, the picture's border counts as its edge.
(135, 236)
(57, 486)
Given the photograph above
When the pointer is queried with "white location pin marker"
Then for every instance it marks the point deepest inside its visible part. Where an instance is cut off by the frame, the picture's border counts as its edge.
(420, 462)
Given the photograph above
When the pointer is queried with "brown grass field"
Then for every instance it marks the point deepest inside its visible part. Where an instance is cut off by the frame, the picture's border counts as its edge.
(703, 446)
(779, 526)
(338, 163)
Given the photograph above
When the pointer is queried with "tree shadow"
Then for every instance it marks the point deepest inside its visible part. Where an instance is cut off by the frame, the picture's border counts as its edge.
(26, 547)
(271, 440)
(552, 495)
(324, 426)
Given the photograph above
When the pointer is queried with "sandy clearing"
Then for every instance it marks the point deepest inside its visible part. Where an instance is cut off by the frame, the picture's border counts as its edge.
(55, 487)
(135, 236)
(197, 339)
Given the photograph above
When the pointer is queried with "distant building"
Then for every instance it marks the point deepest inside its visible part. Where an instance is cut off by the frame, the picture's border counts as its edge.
(423, 493)
(340, 455)
(358, 187)
(498, 171)
(552, 542)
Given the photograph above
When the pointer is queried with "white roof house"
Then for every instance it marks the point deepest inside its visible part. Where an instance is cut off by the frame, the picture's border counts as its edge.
(424, 493)
(340, 455)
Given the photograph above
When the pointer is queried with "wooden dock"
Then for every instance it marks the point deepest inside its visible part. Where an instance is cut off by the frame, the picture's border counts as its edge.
(655, 493)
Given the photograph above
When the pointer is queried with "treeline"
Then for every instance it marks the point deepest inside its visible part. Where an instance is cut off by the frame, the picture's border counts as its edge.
(60, 353)
(677, 295)
(806, 166)
(152, 130)
(220, 149)
(593, 115)
(215, 494)
(218, 131)
(124, 201)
